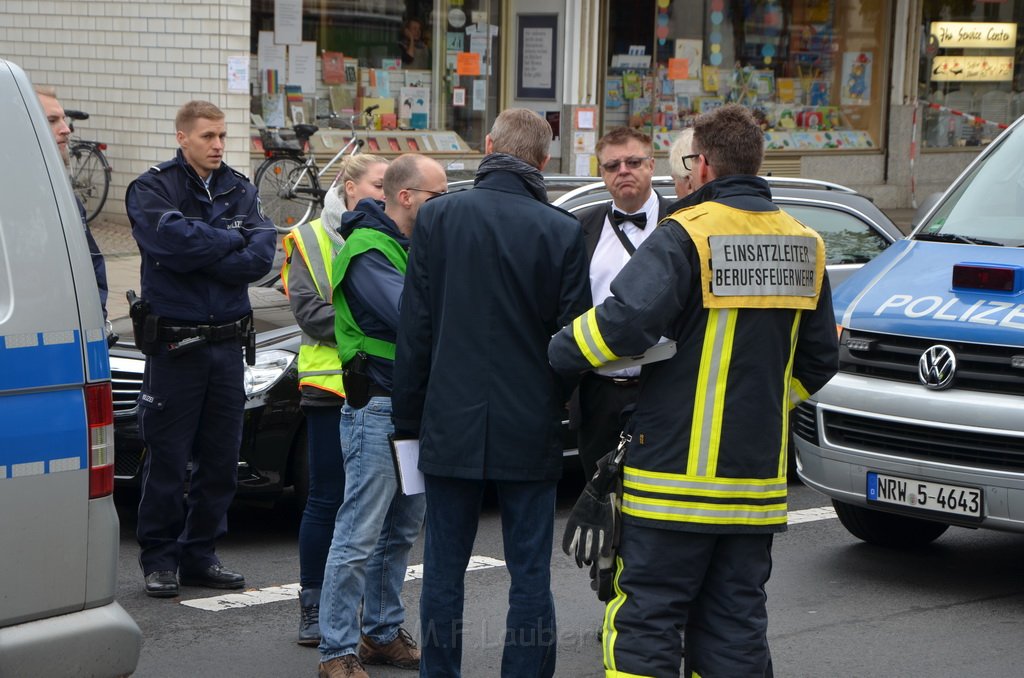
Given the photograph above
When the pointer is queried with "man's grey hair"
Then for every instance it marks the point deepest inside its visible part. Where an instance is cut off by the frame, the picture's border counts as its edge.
(522, 133)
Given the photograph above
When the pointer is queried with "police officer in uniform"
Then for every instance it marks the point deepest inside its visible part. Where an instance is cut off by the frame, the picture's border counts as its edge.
(742, 288)
(203, 238)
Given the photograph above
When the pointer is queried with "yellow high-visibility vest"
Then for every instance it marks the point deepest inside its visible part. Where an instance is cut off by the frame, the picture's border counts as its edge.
(319, 364)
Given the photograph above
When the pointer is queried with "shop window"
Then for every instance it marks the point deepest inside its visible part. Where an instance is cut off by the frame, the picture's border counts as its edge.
(430, 65)
(812, 71)
(468, 91)
(971, 78)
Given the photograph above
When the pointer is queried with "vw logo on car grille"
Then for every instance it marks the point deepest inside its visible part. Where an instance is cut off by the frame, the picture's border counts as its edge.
(937, 367)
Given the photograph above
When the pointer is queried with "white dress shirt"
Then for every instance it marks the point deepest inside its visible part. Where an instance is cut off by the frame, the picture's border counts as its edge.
(610, 256)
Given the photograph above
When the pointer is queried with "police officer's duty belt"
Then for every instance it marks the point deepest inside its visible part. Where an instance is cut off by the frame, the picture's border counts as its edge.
(212, 333)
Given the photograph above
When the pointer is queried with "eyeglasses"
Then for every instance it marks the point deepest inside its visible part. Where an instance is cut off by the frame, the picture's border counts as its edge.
(688, 158)
(631, 163)
(427, 190)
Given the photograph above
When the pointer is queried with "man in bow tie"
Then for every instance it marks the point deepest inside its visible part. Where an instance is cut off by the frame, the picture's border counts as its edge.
(612, 232)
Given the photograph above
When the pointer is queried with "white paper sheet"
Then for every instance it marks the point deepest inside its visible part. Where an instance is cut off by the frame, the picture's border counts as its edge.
(406, 454)
(660, 351)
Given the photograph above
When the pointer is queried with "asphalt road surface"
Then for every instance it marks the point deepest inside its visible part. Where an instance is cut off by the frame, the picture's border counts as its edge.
(837, 607)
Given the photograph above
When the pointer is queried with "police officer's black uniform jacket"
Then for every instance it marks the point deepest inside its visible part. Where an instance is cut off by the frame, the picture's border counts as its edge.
(200, 247)
(710, 431)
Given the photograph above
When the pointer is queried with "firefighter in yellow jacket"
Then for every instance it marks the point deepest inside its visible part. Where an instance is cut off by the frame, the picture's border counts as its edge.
(741, 288)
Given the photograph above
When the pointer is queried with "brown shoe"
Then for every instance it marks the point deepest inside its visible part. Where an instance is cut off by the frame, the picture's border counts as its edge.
(345, 666)
(401, 652)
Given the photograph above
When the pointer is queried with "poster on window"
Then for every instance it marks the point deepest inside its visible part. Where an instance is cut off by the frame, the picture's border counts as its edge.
(415, 106)
(537, 46)
(856, 90)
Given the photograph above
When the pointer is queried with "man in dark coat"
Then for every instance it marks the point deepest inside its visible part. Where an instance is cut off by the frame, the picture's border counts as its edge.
(612, 231)
(493, 272)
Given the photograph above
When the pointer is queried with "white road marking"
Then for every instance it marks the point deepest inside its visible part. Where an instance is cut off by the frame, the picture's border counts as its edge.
(277, 594)
(475, 563)
(811, 515)
(231, 601)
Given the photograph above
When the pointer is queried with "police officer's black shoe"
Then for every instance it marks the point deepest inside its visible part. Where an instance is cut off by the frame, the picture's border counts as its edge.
(161, 584)
(214, 577)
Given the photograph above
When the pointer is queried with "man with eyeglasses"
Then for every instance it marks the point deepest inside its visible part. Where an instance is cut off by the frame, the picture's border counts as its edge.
(741, 287)
(611, 233)
(376, 524)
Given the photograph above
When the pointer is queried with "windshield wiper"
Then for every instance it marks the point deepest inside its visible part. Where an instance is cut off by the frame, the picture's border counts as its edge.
(956, 237)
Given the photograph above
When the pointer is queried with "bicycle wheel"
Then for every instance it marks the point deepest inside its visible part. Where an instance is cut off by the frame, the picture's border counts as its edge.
(90, 178)
(288, 191)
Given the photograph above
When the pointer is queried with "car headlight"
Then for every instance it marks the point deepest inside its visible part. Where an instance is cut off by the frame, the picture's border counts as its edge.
(269, 368)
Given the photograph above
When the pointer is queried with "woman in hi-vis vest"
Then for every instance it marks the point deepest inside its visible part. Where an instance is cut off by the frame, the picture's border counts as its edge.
(309, 251)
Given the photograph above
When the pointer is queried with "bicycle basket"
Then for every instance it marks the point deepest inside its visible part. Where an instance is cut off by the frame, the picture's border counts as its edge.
(280, 140)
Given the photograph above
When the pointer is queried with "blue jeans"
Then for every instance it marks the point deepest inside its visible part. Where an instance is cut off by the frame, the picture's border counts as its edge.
(527, 522)
(373, 533)
(326, 490)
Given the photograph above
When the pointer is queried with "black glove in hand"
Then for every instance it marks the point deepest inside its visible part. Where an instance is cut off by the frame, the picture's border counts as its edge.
(590, 532)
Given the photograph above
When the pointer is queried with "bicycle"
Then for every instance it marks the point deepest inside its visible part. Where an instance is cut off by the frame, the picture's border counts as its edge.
(288, 180)
(90, 171)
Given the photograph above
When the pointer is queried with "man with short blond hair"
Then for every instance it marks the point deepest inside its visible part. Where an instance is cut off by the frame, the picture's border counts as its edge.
(203, 238)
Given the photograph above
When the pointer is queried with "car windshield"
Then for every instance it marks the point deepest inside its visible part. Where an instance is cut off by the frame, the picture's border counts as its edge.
(988, 207)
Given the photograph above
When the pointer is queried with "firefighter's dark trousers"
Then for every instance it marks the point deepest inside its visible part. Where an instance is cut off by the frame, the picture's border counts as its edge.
(711, 586)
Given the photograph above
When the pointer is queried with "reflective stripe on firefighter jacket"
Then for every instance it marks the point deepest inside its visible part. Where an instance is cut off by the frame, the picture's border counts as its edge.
(351, 338)
(745, 296)
(319, 365)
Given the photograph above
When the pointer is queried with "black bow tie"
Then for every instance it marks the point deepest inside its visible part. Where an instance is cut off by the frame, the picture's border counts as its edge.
(618, 218)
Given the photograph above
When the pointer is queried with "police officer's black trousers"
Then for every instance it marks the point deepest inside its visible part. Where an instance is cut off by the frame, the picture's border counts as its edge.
(190, 408)
(709, 585)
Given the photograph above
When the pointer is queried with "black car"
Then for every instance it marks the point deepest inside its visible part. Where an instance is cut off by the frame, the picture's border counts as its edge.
(273, 452)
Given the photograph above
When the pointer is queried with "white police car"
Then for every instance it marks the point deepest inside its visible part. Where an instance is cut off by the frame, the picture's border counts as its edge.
(58, 526)
(923, 427)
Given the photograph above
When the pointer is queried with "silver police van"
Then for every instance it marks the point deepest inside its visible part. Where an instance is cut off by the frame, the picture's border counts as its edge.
(923, 427)
(58, 525)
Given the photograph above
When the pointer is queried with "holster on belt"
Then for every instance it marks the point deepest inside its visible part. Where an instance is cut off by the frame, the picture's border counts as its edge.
(355, 377)
(145, 325)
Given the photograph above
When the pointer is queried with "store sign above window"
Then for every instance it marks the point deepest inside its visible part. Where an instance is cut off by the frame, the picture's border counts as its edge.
(960, 34)
(972, 68)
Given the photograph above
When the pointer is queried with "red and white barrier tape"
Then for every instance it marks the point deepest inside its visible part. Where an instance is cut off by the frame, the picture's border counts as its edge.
(973, 118)
(913, 156)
